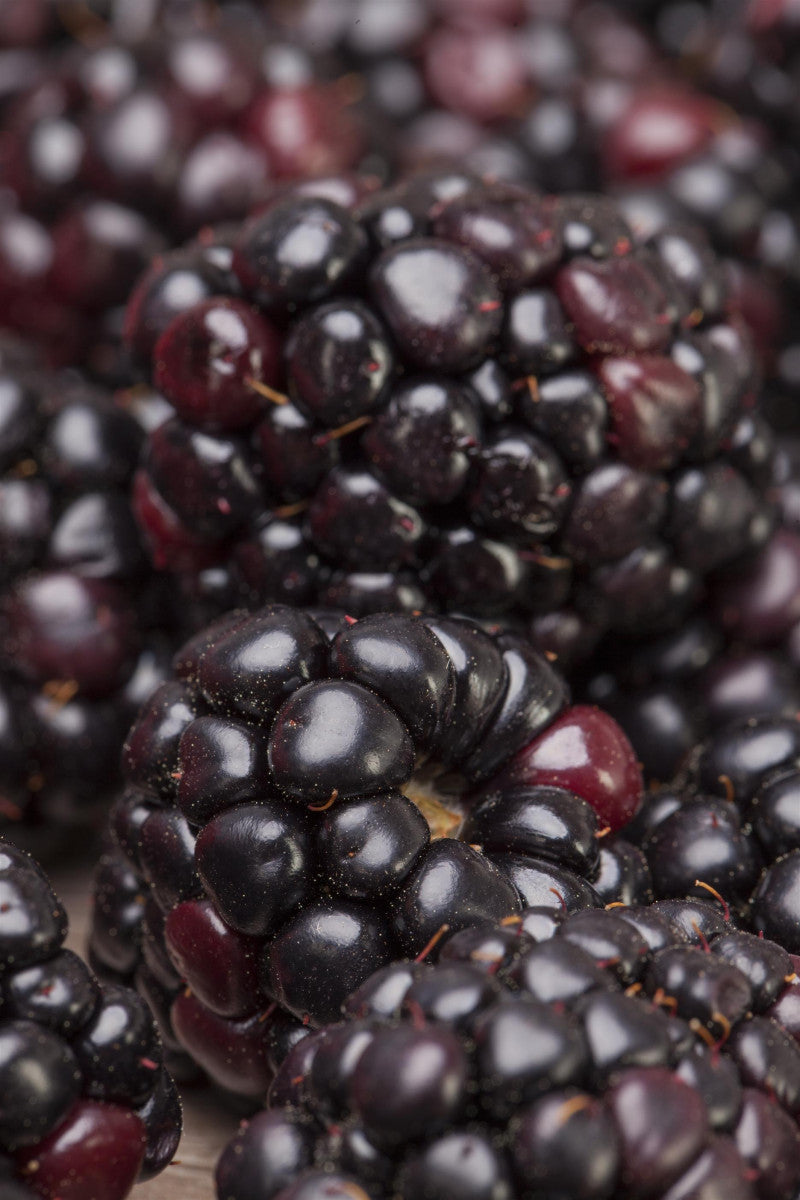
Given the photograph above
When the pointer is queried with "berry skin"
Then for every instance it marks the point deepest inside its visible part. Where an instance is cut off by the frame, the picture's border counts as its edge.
(506, 405)
(303, 807)
(87, 1106)
(532, 1059)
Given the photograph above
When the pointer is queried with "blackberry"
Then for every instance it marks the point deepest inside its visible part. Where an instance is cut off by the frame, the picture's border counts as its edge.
(737, 659)
(77, 650)
(570, 96)
(455, 421)
(747, 54)
(86, 1104)
(603, 1057)
(731, 826)
(306, 800)
(127, 130)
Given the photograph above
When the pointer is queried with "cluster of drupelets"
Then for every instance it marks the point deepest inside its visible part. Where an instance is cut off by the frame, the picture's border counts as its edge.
(400, 580)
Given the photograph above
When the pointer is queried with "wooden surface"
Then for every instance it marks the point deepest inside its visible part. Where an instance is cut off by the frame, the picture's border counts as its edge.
(206, 1125)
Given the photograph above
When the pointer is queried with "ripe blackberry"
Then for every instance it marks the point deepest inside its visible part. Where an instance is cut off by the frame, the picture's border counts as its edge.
(86, 1106)
(502, 406)
(731, 825)
(566, 96)
(601, 1057)
(76, 597)
(303, 806)
(135, 128)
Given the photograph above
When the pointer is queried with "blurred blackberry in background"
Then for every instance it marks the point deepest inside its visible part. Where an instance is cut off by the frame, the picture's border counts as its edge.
(584, 95)
(128, 126)
(451, 394)
(738, 659)
(87, 1107)
(597, 1055)
(300, 811)
(79, 606)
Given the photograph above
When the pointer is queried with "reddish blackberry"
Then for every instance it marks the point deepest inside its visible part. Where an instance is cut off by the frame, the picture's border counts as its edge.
(86, 1106)
(138, 127)
(501, 405)
(76, 595)
(603, 1057)
(300, 811)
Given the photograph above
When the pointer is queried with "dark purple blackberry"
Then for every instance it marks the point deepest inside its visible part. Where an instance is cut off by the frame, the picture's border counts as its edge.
(573, 95)
(86, 1104)
(746, 53)
(125, 131)
(306, 801)
(739, 660)
(509, 408)
(603, 1057)
(76, 595)
(730, 827)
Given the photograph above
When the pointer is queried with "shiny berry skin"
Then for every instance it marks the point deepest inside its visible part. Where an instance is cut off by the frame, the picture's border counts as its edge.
(775, 902)
(512, 405)
(551, 760)
(87, 1108)
(302, 809)
(449, 324)
(298, 252)
(98, 1147)
(338, 363)
(421, 442)
(211, 360)
(575, 1087)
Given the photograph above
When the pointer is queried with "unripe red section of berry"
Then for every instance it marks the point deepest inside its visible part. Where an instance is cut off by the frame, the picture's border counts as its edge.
(586, 752)
(95, 1154)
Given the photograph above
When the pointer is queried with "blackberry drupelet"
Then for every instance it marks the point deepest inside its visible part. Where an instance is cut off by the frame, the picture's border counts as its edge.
(597, 1055)
(730, 825)
(87, 1107)
(454, 395)
(78, 601)
(302, 810)
(125, 131)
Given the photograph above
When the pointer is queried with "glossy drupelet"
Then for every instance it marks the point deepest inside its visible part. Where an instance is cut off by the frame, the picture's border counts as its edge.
(592, 1055)
(87, 1107)
(302, 810)
(746, 53)
(126, 130)
(453, 395)
(78, 599)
